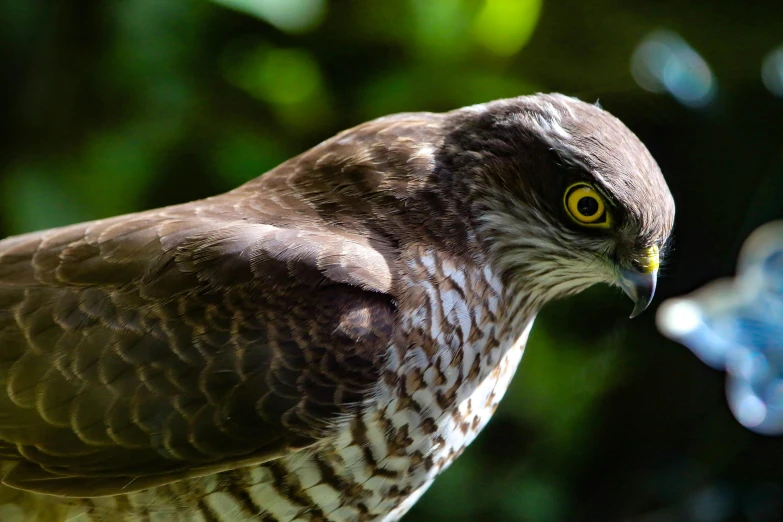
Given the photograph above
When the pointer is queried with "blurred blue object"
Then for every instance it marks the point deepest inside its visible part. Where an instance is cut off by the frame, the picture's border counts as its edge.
(664, 62)
(772, 71)
(736, 325)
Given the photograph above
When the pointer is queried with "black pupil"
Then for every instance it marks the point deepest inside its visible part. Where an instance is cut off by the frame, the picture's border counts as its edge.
(587, 206)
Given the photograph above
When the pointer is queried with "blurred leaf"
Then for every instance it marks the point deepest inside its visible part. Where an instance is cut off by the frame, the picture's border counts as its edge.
(19, 19)
(113, 173)
(534, 498)
(558, 387)
(34, 199)
(505, 26)
(291, 16)
(441, 27)
(242, 156)
(446, 503)
(287, 79)
(281, 76)
(437, 89)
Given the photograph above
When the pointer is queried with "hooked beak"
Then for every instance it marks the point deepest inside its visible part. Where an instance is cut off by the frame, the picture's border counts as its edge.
(639, 283)
(639, 287)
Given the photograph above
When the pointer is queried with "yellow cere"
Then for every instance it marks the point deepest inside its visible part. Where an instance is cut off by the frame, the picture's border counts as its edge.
(651, 260)
(586, 206)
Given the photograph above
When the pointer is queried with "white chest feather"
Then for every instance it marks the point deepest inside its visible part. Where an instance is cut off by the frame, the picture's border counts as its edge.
(463, 340)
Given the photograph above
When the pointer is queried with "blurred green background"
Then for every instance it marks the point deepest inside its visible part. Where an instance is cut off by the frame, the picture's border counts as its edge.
(112, 107)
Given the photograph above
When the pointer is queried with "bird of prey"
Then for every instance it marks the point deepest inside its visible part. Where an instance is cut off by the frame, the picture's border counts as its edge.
(323, 341)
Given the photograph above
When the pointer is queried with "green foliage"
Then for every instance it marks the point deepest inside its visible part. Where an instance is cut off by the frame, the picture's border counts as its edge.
(505, 26)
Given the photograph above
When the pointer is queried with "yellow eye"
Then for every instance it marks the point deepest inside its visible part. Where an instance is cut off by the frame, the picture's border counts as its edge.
(586, 206)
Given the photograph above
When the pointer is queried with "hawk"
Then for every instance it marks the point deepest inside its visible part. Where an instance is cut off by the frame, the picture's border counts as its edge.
(321, 342)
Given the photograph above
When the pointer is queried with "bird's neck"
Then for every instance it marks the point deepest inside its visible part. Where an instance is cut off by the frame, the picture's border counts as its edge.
(460, 337)
(463, 318)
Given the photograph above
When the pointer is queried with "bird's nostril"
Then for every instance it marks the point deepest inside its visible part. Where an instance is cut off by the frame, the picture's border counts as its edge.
(638, 265)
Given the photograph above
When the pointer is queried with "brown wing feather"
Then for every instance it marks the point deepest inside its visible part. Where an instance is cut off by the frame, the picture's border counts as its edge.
(150, 347)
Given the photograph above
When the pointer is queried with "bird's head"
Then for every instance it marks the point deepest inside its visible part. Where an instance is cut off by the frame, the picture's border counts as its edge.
(563, 195)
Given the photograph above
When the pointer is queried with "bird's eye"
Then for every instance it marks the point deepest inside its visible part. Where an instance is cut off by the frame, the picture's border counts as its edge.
(586, 206)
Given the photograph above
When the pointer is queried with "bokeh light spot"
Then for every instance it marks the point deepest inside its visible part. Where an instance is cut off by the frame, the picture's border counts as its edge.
(291, 16)
(678, 317)
(772, 71)
(710, 504)
(751, 411)
(664, 62)
(278, 76)
(505, 26)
